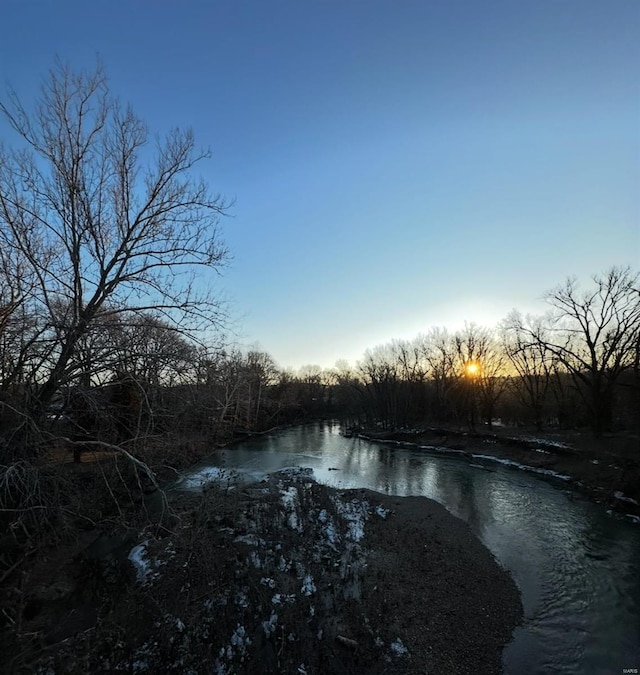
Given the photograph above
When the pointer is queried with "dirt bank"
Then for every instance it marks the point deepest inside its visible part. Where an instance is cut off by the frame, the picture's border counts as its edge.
(284, 576)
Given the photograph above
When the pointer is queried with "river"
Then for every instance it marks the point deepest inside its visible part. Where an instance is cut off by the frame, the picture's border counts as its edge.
(577, 567)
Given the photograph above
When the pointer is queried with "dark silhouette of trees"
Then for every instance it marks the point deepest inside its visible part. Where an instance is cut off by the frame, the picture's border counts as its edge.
(480, 371)
(380, 374)
(348, 393)
(578, 365)
(532, 362)
(101, 221)
(594, 335)
(438, 347)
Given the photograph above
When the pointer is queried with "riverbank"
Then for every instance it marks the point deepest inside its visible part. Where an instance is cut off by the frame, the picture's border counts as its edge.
(281, 576)
(606, 469)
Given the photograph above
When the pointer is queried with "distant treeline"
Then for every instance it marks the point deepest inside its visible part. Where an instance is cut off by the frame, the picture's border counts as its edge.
(576, 366)
(133, 377)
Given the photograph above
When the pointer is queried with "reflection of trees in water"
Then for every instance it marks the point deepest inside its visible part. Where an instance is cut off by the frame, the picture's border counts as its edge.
(390, 469)
(420, 476)
(387, 468)
(333, 427)
(362, 460)
(463, 489)
(398, 473)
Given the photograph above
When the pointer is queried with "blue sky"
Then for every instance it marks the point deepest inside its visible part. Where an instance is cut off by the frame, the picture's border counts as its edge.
(395, 165)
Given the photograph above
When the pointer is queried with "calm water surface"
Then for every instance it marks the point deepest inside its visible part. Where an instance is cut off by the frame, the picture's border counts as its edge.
(577, 567)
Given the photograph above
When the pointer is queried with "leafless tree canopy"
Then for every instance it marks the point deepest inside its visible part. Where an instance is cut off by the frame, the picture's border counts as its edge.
(97, 217)
(593, 334)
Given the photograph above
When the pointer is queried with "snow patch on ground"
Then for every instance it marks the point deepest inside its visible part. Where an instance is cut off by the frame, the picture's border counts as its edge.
(308, 587)
(381, 511)
(441, 448)
(355, 513)
(524, 467)
(283, 599)
(398, 648)
(289, 498)
(242, 599)
(238, 644)
(621, 497)
(207, 475)
(545, 441)
(250, 540)
(270, 625)
(138, 556)
(240, 640)
(329, 532)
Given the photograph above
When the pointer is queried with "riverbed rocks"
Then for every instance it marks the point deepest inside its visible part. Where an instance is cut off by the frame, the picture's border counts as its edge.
(289, 576)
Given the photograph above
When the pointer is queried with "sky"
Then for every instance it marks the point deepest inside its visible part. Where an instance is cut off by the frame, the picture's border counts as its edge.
(394, 165)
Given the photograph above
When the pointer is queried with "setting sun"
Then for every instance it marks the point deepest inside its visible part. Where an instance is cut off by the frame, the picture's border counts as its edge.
(472, 368)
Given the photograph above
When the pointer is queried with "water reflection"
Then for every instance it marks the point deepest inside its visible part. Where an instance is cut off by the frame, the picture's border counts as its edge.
(577, 567)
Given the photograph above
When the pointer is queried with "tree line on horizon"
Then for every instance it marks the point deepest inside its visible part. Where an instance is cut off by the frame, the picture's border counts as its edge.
(577, 366)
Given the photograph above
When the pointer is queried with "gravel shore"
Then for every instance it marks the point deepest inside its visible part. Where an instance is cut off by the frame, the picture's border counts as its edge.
(434, 583)
(283, 576)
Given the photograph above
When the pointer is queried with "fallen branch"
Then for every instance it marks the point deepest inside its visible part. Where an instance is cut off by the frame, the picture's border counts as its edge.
(134, 460)
(347, 642)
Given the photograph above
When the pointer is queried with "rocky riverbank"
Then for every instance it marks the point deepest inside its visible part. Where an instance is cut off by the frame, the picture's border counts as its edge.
(282, 576)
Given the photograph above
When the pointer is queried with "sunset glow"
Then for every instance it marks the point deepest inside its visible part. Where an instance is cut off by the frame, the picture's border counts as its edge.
(440, 163)
(472, 369)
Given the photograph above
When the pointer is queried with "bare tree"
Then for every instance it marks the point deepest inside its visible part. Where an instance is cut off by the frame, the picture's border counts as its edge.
(413, 368)
(260, 372)
(439, 352)
(20, 330)
(311, 383)
(106, 220)
(594, 334)
(349, 391)
(481, 370)
(531, 360)
(146, 348)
